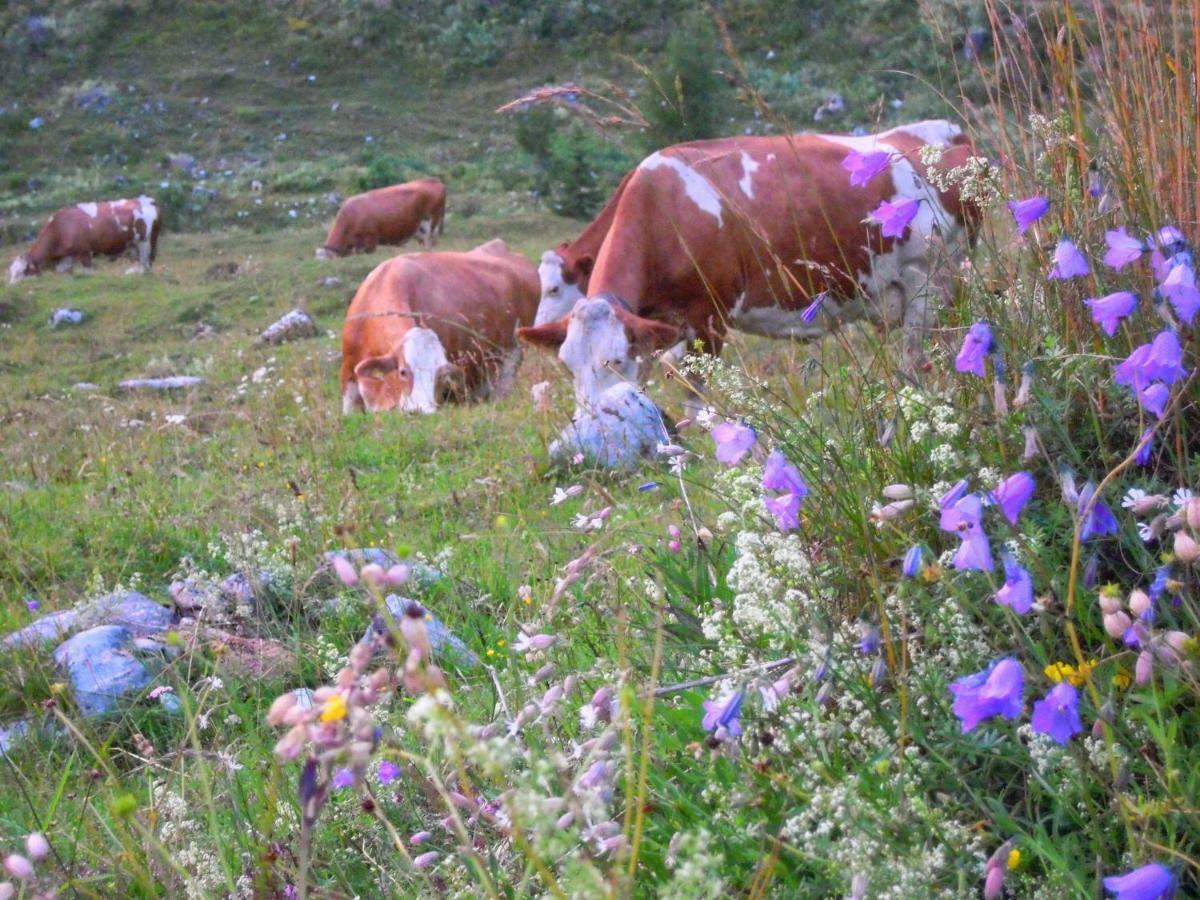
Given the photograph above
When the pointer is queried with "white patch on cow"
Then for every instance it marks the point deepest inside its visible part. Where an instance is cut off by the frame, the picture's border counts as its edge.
(422, 351)
(424, 231)
(146, 211)
(749, 167)
(597, 352)
(18, 269)
(770, 157)
(699, 189)
(351, 398)
(89, 209)
(558, 297)
(931, 131)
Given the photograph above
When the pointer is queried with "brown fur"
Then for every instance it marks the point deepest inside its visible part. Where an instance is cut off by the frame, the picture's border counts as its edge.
(388, 215)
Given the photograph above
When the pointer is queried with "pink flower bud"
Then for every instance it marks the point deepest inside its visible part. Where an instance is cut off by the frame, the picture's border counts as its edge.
(1139, 602)
(18, 866)
(1031, 440)
(898, 492)
(397, 575)
(1110, 604)
(373, 574)
(344, 570)
(1116, 624)
(674, 546)
(1144, 668)
(993, 885)
(280, 708)
(1191, 512)
(1143, 506)
(7, 891)
(565, 821)
(1186, 548)
(290, 745)
(37, 846)
(999, 400)
(420, 838)
(674, 532)
(425, 860)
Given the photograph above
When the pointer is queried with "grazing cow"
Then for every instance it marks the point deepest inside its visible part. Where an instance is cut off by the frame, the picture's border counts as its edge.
(79, 233)
(766, 235)
(424, 328)
(389, 215)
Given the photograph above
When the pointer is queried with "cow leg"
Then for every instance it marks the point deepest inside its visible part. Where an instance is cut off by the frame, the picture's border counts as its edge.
(425, 233)
(505, 379)
(906, 303)
(64, 265)
(352, 400)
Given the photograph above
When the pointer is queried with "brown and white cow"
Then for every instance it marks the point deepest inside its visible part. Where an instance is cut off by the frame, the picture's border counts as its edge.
(76, 234)
(748, 233)
(424, 328)
(388, 215)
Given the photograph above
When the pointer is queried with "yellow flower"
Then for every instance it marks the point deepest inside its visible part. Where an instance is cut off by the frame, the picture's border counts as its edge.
(335, 709)
(1014, 859)
(1122, 680)
(1061, 671)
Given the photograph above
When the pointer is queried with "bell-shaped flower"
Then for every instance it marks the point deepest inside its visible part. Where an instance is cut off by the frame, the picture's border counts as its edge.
(911, 566)
(1013, 493)
(1154, 397)
(1026, 212)
(1160, 360)
(996, 691)
(1098, 520)
(1123, 249)
(733, 441)
(865, 166)
(976, 346)
(1153, 881)
(781, 476)
(964, 520)
(1058, 713)
(1108, 311)
(1180, 288)
(1069, 261)
(893, 218)
(721, 716)
(1017, 590)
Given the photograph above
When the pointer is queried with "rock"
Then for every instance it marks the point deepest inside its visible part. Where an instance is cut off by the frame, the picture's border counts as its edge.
(333, 199)
(47, 630)
(181, 162)
(103, 668)
(20, 730)
(93, 99)
(65, 316)
(445, 642)
(219, 602)
(208, 195)
(330, 281)
(128, 609)
(170, 383)
(85, 386)
(421, 576)
(36, 122)
(246, 589)
(624, 427)
(38, 30)
(291, 326)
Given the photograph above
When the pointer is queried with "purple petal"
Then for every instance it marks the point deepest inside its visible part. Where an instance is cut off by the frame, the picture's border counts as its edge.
(865, 166)
(1069, 262)
(975, 348)
(1026, 212)
(1058, 713)
(1108, 311)
(1013, 493)
(1149, 882)
(895, 217)
(1122, 249)
(733, 442)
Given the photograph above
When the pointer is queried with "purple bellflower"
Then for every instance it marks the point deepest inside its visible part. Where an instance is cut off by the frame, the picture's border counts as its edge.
(1099, 520)
(1013, 493)
(1069, 262)
(809, 314)
(963, 519)
(780, 475)
(865, 166)
(894, 218)
(1154, 398)
(1160, 360)
(1026, 212)
(976, 345)
(1180, 288)
(996, 691)
(1123, 249)
(1146, 447)
(1017, 590)
(388, 772)
(1153, 881)
(342, 778)
(1058, 713)
(912, 561)
(1108, 311)
(721, 716)
(733, 442)
(952, 496)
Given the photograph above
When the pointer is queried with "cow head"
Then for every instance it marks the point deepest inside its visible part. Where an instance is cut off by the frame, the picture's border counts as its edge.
(415, 377)
(21, 267)
(603, 344)
(563, 284)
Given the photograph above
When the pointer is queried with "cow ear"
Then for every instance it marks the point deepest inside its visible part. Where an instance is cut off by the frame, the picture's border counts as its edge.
(647, 335)
(450, 383)
(549, 336)
(583, 266)
(376, 367)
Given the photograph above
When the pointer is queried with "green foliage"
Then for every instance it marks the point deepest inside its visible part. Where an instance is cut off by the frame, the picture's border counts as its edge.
(576, 170)
(687, 98)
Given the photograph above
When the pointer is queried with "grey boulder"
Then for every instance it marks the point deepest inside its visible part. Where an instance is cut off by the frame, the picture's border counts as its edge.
(103, 668)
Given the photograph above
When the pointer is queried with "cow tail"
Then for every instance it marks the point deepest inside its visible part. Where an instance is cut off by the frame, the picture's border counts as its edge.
(154, 229)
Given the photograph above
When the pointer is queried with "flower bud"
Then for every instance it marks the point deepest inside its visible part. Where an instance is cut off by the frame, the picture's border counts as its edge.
(290, 745)
(7, 891)
(1143, 506)
(1186, 548)
(1144, 668)
(345, 571)
(18, 866)
(280, 708)
(1191, 513)
(825, 694)
(878, 672)
(993, 884)
(373, 574)
(1109, 603)
(999, 400)
(565, 821)
(858, 886)
(420, 838)
(1116, 624)
(1031, 439)
(1140, 602)
(425, 860)
(898, 492)
(37, 846)
(397, 575)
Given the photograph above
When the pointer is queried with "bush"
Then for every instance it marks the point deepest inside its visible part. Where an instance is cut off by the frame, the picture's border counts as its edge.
(384, 169)
(688, 98)
(575, 169)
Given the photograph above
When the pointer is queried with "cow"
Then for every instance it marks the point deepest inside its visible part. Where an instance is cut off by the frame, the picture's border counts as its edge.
(77, 234)
(766, 235)
(424, 328)
(388, 215)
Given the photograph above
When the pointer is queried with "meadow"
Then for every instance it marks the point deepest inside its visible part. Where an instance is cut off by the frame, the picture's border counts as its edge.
(967, 667)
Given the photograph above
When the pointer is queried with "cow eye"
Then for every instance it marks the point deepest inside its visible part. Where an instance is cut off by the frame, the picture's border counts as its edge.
(553, 291)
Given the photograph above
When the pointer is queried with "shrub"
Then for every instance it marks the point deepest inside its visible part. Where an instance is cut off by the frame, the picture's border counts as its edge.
(687, 98)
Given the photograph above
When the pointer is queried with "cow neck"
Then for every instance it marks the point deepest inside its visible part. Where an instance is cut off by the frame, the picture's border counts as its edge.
(592, 237)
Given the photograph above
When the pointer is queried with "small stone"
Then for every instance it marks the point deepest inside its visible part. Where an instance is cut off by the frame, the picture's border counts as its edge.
(129, 609)
(36, 122)
(170, 383)
(85, 386)
(103, 668)
(66, 316)
(443, 641)
(289, 327)
(46, 630)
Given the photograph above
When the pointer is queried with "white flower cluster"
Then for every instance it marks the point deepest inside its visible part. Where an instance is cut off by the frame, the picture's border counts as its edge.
(977, 179)
(696, 865)
(189, 842)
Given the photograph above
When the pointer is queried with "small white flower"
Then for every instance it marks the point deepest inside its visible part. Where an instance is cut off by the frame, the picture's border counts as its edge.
(1180, 497)
(1132, 496)
(561, 495)
(677, 465)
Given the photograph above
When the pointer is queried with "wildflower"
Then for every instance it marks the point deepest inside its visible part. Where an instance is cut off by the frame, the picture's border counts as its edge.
(995, 870)
(953, 494)
(894, 218)
(420, 837)
(343, 778)
(976, 345)
(1069, 262)
(345, 571)
(561, 495)
(1154, 398)
(912, 561)
(1140, 503)
(335, 709)
(1014, 860)
(33, 605)
(18, 866)
(648, 486)
(1026, 212)
(963, 519)
(1145, 447)
(869, 641)
(425, 860)
(388, 772)
(527, 643)
(1109, 310)
(864, 166)
(1123, 249)
(1058, 713)
(809, 313)
(721, 716)
(1061, 671)
(1098, 519)
(780, 475)
(1017, 590)
(397, 575)
(37, 846)
(1179, 287)
(1185, 547)
(881, 514)
(1160, 360)
(996, 691)
(1025, 388)
(1149, 882)
(1013, 493)
(733, 442)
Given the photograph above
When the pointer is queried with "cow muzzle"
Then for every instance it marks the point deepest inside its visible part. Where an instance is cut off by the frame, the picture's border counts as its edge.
(18, 269)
